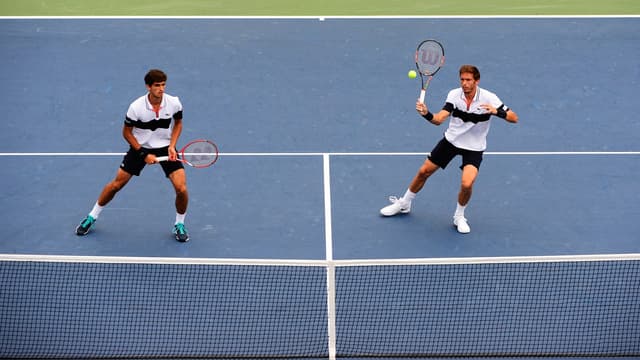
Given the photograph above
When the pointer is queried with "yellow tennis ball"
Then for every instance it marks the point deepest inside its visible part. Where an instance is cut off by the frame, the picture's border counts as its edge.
(412, 74)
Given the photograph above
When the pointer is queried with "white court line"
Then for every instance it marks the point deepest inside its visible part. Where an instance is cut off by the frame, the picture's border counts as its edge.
(506, 153)
(309, 17)
(317, 263)
(512, 153)
(326, 173)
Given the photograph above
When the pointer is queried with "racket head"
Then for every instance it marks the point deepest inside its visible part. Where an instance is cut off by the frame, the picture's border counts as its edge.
(199, 153)
(429, 58)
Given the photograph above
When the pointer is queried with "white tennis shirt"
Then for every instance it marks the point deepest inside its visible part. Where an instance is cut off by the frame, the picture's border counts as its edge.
(151, 129)
(469, 126)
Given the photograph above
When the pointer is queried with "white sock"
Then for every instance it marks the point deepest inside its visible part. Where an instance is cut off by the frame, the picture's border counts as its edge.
(95, 212)
(408, 196)
(180, 218)
(460, 210)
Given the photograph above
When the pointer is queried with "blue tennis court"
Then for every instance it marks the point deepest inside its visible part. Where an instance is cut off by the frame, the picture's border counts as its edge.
(316, 124)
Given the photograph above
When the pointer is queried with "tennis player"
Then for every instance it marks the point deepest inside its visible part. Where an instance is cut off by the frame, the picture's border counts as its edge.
(469, 108)
(152, 127)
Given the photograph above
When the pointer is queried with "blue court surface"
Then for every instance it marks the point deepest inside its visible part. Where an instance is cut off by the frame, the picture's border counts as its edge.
(306, 111)
(277, 94)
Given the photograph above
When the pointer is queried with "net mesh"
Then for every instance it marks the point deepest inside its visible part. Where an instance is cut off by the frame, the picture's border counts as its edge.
(85, 310)
(497, 310)
(103, 309)
(429, 57)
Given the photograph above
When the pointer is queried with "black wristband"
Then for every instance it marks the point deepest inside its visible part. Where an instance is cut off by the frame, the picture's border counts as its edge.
(142, 152)
(501, 113)
(428, 116)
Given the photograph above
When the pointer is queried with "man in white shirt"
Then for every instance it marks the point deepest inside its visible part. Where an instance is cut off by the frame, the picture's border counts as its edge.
(470, 109)
(152, 127)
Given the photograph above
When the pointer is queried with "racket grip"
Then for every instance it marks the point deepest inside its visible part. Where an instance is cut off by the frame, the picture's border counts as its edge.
(422, 94)
(162, 158)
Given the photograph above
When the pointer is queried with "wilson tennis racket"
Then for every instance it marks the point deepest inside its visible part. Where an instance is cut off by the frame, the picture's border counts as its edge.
(197, 153)
(429, 59)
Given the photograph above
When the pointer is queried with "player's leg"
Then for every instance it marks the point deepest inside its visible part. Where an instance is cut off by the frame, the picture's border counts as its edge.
(471, 161)
(403, 204)
(132, 164)
(178, 179)
(111, 189)
(440, 157)
(469, 174)
(106, 195)
(427, 169)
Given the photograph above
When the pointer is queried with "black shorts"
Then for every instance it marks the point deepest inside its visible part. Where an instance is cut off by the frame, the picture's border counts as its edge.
(133, 163)
(444, 152)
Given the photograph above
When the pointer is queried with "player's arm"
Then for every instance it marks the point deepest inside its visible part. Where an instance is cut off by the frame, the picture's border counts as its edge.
(501, 111)
(127, 133)
(437, 118)
(511, 117)
(175, 135)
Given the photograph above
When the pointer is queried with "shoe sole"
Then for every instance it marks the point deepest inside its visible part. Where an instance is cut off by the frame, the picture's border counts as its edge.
(82, 234)
(182, 241)
(461, 232)
(399, 212)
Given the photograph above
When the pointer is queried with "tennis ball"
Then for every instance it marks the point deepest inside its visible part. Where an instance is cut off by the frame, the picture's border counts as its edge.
(412, 74)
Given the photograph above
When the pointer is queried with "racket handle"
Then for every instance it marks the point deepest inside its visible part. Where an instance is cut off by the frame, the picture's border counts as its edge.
(162, 158)
(422, 94)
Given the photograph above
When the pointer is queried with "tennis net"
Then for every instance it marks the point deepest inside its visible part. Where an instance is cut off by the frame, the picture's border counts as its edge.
(122, 308)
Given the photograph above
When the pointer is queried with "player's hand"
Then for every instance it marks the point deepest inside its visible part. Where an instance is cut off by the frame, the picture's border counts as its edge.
(173, 154)
(489, 109)
(150, 159)
(421, 108)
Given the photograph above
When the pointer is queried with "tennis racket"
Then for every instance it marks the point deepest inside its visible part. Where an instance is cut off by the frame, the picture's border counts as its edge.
(429, 59)
(197, 153)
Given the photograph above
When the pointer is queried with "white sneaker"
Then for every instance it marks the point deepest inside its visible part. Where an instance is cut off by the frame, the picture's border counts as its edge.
(461, 224)
(397, 206)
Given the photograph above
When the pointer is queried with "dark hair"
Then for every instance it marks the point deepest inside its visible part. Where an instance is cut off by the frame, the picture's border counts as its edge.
(470, 69)
(154, 76)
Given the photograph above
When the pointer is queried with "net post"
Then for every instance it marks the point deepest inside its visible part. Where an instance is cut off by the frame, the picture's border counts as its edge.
(331, 309)
(331, 268)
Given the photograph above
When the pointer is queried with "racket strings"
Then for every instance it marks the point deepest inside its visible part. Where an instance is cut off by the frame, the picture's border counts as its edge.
(429, 57)
(200, 154)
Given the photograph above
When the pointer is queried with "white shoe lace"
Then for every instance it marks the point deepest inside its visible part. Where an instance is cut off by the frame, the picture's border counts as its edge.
(461, 223)
(396, 200)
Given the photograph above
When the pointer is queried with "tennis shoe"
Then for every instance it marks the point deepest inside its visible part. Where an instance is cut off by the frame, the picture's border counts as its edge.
(180, 232)
(460, 222)
(397, 206)
(85, 225)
